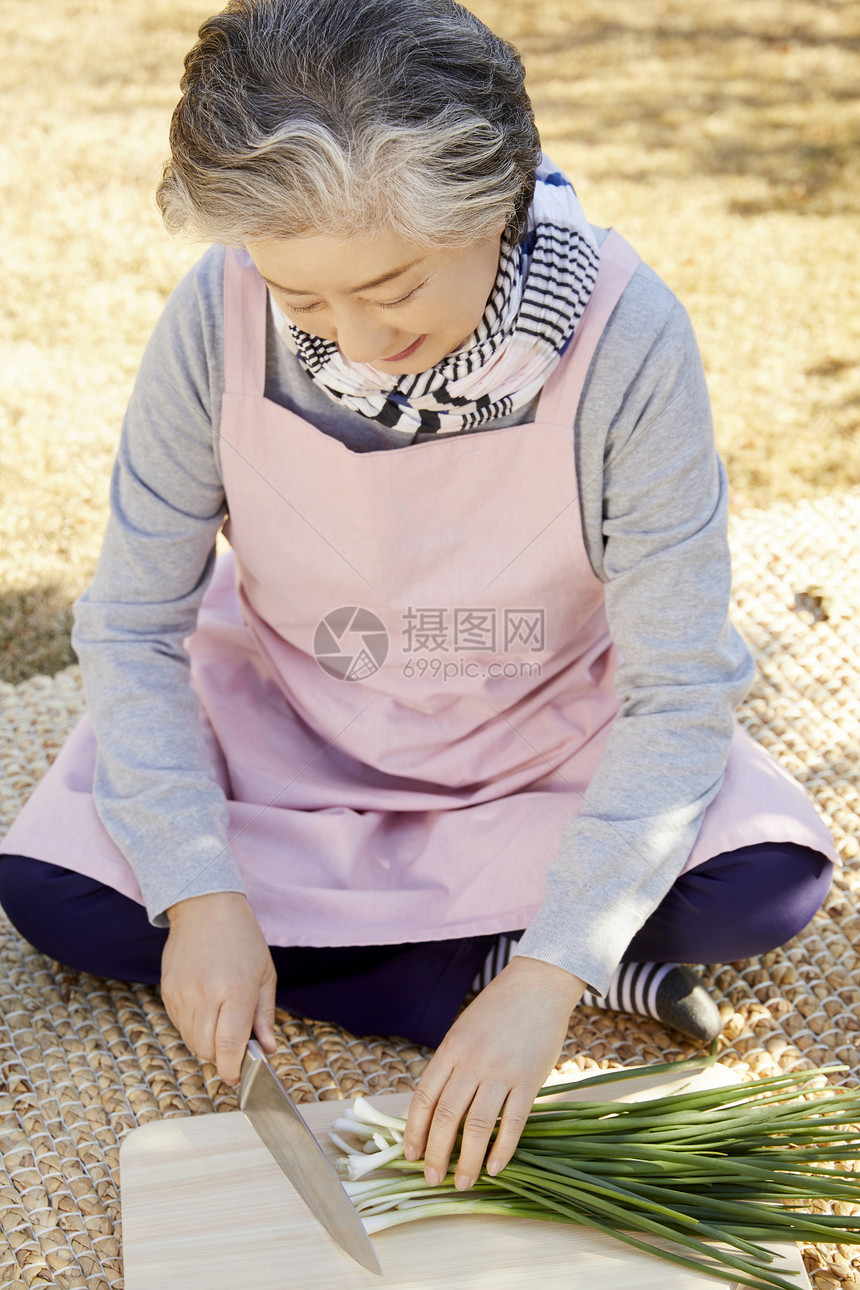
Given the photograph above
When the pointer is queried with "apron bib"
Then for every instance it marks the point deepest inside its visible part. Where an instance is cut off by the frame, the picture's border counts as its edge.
(405, 669)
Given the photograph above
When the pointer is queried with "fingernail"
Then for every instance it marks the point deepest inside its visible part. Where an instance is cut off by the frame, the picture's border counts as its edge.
(409, 1153)
(463, 1182)
(433, 1177)
(493, 1168)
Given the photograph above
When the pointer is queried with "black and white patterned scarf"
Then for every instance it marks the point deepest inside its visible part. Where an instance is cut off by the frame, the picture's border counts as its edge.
(541, 290)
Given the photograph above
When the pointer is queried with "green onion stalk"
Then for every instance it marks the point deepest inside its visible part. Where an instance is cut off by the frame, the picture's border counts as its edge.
(719, 1174)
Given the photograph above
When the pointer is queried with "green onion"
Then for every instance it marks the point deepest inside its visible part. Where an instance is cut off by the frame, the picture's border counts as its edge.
(718, 1174)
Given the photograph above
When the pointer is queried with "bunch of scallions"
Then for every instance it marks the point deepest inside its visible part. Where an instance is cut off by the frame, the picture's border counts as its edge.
(719, 1173)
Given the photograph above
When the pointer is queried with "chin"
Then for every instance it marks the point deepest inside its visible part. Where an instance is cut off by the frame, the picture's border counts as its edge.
(409, 367)
(425, 359)
(414, 368)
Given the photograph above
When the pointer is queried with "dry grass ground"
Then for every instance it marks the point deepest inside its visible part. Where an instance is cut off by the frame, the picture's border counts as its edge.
(721, 139)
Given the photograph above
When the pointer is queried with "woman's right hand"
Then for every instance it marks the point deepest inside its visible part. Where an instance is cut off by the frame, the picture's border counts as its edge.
(218, 979)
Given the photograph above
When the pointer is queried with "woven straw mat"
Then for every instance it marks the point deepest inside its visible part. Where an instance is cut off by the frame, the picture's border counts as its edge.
(86, 1060)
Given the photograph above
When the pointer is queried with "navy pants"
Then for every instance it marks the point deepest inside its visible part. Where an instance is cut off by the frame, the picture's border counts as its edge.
(734, 906)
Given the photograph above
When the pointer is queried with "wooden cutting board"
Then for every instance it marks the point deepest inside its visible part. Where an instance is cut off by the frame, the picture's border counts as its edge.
(205, 1207)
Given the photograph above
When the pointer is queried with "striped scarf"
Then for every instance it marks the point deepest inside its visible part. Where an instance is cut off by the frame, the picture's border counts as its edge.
(540, 293)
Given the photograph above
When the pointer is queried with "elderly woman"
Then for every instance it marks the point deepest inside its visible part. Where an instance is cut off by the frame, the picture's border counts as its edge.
(456, 710)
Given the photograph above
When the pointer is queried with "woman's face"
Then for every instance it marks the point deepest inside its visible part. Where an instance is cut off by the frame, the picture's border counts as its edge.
(383, 301)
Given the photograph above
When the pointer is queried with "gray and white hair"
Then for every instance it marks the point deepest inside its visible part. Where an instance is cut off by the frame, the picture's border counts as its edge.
(347, 117)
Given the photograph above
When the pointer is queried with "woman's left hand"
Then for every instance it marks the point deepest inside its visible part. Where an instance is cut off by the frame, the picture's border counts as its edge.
(495, 1057)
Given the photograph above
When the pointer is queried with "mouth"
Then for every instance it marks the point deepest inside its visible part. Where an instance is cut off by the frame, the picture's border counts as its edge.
(404, 353)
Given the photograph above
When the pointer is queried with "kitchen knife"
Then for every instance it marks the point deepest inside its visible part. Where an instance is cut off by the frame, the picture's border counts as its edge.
(268, 1106)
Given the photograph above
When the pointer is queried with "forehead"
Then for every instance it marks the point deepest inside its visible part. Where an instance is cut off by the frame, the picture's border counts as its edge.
(319, 264)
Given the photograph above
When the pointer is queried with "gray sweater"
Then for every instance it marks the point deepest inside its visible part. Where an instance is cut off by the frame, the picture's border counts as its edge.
(654, 503)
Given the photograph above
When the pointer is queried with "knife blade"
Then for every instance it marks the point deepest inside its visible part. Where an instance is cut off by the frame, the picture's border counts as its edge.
(271, 1111)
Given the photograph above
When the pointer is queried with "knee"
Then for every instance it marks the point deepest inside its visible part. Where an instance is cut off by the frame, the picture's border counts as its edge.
(23, 894)
(46, 905)
(806, 877)
(80, 921)
(770, 892)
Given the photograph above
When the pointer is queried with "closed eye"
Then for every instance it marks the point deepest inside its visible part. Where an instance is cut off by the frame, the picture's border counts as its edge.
(394, 304)
(303, 309)
(381, 304)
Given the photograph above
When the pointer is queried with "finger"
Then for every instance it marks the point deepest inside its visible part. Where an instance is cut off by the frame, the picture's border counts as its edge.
(201, 1036)
(422, 1106)
(450, 1110)
(189, 1020)
(477, 1129)
(264, 1017)
(516, 1111)
(177, 1016)
(197, 1028)
(232, 1033)
(175, 1008)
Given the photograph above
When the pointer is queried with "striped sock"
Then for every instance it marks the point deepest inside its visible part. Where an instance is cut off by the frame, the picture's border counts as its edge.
(671, 993)
(633, 988)
(501, 952)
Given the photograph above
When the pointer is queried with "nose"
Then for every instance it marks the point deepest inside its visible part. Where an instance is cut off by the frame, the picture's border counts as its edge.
(361, 339)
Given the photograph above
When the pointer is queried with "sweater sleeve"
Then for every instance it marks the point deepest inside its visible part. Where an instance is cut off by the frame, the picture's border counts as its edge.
(654, 500)
(154, 789)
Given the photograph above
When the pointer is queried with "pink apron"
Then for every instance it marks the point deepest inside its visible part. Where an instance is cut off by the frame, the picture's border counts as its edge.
(405, 670)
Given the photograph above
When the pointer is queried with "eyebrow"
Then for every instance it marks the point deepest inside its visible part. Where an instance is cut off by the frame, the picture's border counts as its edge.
(353, 291)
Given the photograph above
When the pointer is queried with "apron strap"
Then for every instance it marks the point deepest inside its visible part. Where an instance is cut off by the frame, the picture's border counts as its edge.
(560, 397)
(245, 315)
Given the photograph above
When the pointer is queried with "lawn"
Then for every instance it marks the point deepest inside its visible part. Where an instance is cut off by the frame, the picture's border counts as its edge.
(722, 140)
